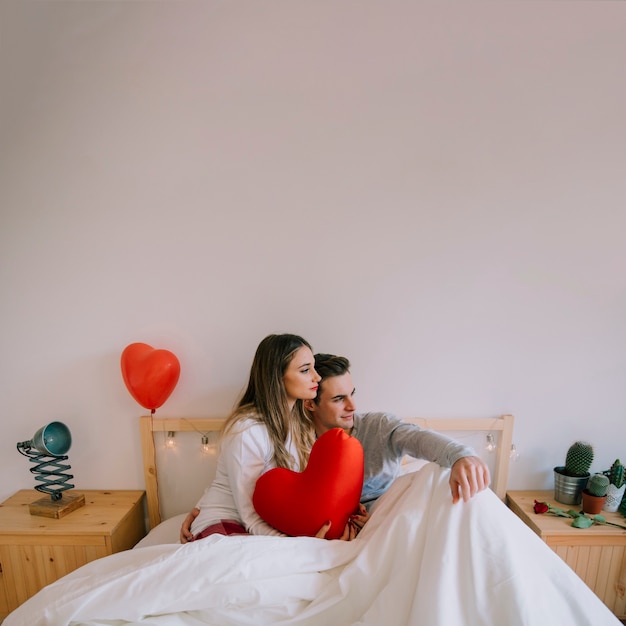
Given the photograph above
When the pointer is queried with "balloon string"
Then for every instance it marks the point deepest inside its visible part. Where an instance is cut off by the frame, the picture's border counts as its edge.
(154, 462)
(152, 411)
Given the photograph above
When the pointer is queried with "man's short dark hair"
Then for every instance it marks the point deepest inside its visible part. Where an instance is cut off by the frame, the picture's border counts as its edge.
(327, 366)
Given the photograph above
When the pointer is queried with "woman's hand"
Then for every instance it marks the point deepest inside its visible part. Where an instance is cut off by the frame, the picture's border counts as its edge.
(349, 532)
(321, 533)
(185, 529)
(353, 527)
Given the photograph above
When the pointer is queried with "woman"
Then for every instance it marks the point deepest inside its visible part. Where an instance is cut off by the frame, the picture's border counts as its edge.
(268, 428)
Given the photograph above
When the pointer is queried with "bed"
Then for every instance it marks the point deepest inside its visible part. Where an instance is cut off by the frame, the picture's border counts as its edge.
(420, 560)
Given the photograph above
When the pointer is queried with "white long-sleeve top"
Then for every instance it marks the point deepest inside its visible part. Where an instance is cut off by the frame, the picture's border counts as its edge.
(245, 454)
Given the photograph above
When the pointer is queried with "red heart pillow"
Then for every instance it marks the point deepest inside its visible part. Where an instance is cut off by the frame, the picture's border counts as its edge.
(328, 489)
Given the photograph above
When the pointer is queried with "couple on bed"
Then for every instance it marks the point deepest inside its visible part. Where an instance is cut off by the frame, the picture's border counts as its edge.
(293, 397)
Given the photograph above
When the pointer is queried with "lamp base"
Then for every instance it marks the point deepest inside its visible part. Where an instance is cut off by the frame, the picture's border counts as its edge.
(47, 507)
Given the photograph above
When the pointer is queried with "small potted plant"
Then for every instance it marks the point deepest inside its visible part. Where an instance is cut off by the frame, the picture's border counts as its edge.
(570, 479)
(594, 494)
(617, 485)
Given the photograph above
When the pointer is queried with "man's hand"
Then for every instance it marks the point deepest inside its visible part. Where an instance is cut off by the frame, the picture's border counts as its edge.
(185, 529)
(360, 519)
(468, 476)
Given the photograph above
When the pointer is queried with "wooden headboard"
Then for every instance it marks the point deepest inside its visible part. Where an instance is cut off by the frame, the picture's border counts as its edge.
(501, 427)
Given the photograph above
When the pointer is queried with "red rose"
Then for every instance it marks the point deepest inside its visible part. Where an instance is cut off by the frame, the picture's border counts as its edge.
(541, 507)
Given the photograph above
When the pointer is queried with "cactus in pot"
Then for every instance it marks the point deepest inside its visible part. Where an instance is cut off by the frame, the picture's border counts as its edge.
(616, 474)
(579, 459)
(594, 494)
(598, 485)
(570, 479)
(616, 487)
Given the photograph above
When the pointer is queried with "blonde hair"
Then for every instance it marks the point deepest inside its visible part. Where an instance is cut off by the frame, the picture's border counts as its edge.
(265, 401)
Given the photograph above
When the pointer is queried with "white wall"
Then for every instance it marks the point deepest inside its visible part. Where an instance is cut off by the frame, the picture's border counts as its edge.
(434, 190)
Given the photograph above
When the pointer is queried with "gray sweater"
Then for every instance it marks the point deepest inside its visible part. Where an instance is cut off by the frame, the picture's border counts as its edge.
(386, 439)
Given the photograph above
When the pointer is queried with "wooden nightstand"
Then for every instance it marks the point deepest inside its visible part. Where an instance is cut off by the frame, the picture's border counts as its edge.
(36, 551)
(597, 554)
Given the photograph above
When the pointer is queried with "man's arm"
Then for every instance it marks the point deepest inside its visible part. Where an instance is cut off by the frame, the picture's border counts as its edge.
(469, 473)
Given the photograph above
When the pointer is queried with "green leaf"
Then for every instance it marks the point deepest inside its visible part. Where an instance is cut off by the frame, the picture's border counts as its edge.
(574, 514)
(582, 522)
(599, 519)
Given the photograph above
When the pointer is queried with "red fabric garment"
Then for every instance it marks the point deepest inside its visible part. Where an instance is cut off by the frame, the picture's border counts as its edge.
(225, 527)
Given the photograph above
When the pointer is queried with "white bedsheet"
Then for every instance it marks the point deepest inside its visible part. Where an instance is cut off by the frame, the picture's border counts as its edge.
(419, 561)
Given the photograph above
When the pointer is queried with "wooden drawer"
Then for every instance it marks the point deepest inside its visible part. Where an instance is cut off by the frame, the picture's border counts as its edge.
(596, 554)
(35, 551)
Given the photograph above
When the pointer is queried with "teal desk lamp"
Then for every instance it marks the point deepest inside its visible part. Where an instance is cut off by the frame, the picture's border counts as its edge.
(47, 451)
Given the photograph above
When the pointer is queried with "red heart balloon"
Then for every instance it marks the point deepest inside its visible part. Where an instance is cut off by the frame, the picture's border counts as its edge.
(299, 504)
(150, 375)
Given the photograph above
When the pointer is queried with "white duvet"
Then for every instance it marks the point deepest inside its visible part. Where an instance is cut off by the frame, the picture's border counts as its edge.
(420, 560)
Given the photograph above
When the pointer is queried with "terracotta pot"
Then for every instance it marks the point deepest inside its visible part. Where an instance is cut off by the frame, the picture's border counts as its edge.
(592, 504)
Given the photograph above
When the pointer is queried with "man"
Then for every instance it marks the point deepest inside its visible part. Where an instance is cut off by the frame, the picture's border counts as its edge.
(386, 439)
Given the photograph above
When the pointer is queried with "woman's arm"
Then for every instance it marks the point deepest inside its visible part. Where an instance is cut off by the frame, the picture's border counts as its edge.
(248, 454)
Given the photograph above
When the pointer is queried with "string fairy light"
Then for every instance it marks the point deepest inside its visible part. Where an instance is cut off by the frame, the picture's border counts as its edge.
(206, 445)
